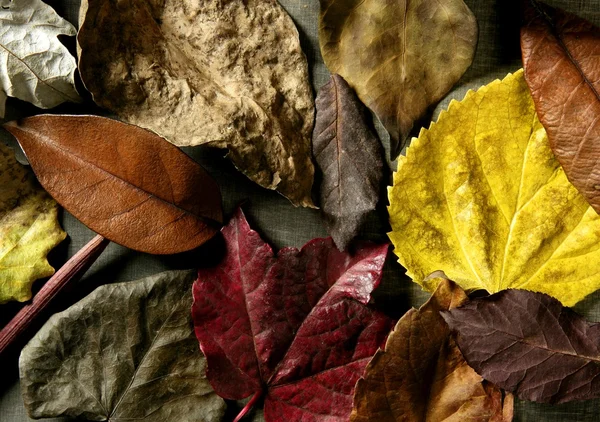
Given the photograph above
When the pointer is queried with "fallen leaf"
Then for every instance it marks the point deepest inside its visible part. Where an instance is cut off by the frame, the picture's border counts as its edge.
(126, 352)
(35, 66)
(528, 343)
(225, 74)
(422, 376)
(294, 328)
(350, 157)
(481, 197)
(561, 55)
(123, 182)
(29, 229)
(401, 57)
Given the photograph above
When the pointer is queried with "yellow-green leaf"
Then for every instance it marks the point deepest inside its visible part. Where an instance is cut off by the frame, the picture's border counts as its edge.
(29, 229)
(481, 197)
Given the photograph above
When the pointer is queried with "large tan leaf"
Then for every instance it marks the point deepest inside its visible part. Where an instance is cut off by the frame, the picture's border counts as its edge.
(229, 74)
(481, 197)
(401, 57)
(29, 229)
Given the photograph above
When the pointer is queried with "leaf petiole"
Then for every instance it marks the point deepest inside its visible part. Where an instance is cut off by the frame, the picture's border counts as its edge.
(255, 398)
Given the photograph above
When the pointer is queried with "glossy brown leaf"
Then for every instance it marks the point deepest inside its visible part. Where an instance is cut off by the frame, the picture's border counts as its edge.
(561, 56)
(401, 57)
(227, 74)
(529, 344)
(124, 182)
(350, 156)
(422, 376)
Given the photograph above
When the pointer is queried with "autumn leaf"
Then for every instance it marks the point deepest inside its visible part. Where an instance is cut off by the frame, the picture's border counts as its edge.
(481, 197)
(29, 229)
(349, 155)
(401, 57)
(561, 55)
(35, 66)
(225, 74)
(422, 376)
(125, 352)
(140, 191)
(528, 343)
(293, 327)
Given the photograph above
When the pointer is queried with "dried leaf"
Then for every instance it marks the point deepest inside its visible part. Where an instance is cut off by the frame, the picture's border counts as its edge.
(528, 343)
(422, 376)
(561, 55)
(229, 74)
(123, 182)
(126, 352)
(350, 157)
(29, 229)
(481, 197)
(401, 57)
(35, 66)
(293, 327)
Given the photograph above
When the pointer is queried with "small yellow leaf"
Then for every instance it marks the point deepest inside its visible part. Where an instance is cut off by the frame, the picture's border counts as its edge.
(29, 229)
(481, 197)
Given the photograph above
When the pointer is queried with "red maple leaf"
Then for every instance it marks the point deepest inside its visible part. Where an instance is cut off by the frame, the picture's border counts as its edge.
(293, 328)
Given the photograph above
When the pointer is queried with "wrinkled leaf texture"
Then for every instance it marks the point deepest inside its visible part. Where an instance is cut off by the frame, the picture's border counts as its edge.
(422, 376)
(293, 326)
(561, 56)
(528, 343)
(228, 74)
(481, 197)
(29, 229)
(126, 352)
(401, 57)
(349, 155)
(125, 183)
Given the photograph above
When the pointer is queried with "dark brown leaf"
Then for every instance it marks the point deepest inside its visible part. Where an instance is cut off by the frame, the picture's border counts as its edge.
(561, 55)
(125, 183)
(350, 157)
(529, 344)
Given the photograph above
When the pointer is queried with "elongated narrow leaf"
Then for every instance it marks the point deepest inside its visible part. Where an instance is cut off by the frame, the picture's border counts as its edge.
(422, 376)
(29, 229)
(401, 57)
(123, 182)
(293, 327)
(561, 55)
(126, 352)
(35, 66)
(481, 197)
(350, 157)
(528, 343)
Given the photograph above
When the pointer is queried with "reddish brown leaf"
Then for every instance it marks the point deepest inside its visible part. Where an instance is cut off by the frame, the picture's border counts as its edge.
(126, 183)
(422, 376)
(529, 344)
(561, 56)
(294, 327)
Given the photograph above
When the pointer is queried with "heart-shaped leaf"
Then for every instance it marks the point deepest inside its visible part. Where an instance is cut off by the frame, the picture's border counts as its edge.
(481, 197)
(123, 182)
(294, 327)
(528, 343)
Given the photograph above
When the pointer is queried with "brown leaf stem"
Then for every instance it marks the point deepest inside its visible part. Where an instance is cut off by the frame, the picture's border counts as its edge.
(255, 398)
(71, 271)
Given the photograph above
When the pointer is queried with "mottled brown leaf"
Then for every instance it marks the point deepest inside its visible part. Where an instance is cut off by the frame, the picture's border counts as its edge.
(529, 344)
(125, 183)
(228, 74)
(401, 57)
(350, 156)
(561, 56)
(126, 352)
(422, 376)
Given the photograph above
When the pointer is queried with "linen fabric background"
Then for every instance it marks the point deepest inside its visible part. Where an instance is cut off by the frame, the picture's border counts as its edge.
(498, 53)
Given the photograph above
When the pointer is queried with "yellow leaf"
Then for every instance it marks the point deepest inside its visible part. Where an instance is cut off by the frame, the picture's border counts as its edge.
(481, 197)
(29, 229)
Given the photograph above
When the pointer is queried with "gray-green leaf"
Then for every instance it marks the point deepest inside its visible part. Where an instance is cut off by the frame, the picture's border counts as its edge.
(126, 352)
